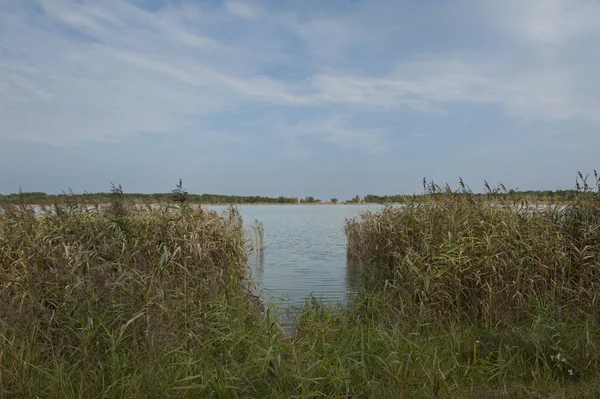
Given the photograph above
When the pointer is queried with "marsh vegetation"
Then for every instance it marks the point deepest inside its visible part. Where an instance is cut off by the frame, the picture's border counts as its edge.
(461, 296)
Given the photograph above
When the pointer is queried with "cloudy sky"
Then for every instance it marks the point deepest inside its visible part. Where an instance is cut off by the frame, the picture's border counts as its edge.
(297, 98)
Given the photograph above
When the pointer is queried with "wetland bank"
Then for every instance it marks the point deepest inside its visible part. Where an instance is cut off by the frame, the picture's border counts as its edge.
(457, 296)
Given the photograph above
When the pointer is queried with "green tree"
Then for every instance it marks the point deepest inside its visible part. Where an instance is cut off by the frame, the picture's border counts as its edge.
(355, 200)
(334, 200)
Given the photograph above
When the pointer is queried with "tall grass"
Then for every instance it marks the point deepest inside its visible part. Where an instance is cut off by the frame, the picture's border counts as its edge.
(458, 298)
(131, 302)
(90, 298)
(518, 284)
(459, 258)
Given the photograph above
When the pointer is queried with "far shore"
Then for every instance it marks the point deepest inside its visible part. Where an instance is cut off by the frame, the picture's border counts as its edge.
(234, 204)
(539, 202)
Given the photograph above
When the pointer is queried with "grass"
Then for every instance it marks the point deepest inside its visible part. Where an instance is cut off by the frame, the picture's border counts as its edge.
(486, 264)
(89, 296)
(459, 297)
(513, 289)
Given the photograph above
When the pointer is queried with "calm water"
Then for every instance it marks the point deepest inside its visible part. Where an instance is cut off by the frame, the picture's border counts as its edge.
(305, 251)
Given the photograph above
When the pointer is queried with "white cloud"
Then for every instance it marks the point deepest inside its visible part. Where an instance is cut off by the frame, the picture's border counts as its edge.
(61, 90)
(339, 132)
(98, 71)
(546, 93)
(548, 21)
(336, 130)
(242, 9)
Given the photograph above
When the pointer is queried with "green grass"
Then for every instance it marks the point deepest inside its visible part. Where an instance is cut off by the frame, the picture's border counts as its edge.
(458, 298)
(462, 260)
(512, 289)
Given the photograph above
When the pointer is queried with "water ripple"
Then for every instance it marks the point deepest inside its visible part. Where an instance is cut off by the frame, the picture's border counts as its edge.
(305, 251)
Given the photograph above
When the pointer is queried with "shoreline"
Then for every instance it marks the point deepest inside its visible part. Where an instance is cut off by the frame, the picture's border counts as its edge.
(104, 204)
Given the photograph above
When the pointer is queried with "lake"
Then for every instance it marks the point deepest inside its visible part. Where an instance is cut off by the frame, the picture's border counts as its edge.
(305, 251)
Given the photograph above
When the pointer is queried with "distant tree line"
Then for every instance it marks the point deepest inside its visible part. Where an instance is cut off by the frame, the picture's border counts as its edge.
(355, 200)
(585, 187)
(39, 198)
(310, 200)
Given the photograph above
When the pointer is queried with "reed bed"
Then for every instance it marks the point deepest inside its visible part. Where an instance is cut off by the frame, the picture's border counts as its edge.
(519, 284)
(154, 302)
(463, 259)
(116, 301)
(458, 298)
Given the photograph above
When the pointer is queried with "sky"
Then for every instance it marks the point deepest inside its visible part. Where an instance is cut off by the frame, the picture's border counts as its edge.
(297, 98)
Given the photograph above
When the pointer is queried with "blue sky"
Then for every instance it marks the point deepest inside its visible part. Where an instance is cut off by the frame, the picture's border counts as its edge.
(297, 98)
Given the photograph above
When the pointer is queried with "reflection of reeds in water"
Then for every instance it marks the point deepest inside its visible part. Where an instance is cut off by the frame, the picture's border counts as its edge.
(259, 235)
(258, 266)
(255, 237)
(352, 275)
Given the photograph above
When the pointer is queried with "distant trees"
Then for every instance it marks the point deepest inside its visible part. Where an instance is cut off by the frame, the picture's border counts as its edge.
(180, 195)
(355, 200)
(384, 199)
(176, 195)
(309, 200)
(236, 199)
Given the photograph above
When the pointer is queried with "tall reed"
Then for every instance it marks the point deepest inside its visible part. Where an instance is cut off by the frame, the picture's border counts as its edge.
(85, 293)
(459, 298)
(464, 258)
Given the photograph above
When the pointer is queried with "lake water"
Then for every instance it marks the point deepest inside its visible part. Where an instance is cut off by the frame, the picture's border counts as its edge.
(304, 253)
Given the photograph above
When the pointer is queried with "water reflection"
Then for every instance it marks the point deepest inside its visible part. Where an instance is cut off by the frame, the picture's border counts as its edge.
(305, 253)
(353, 271)
(256, 261)
(340, 290)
